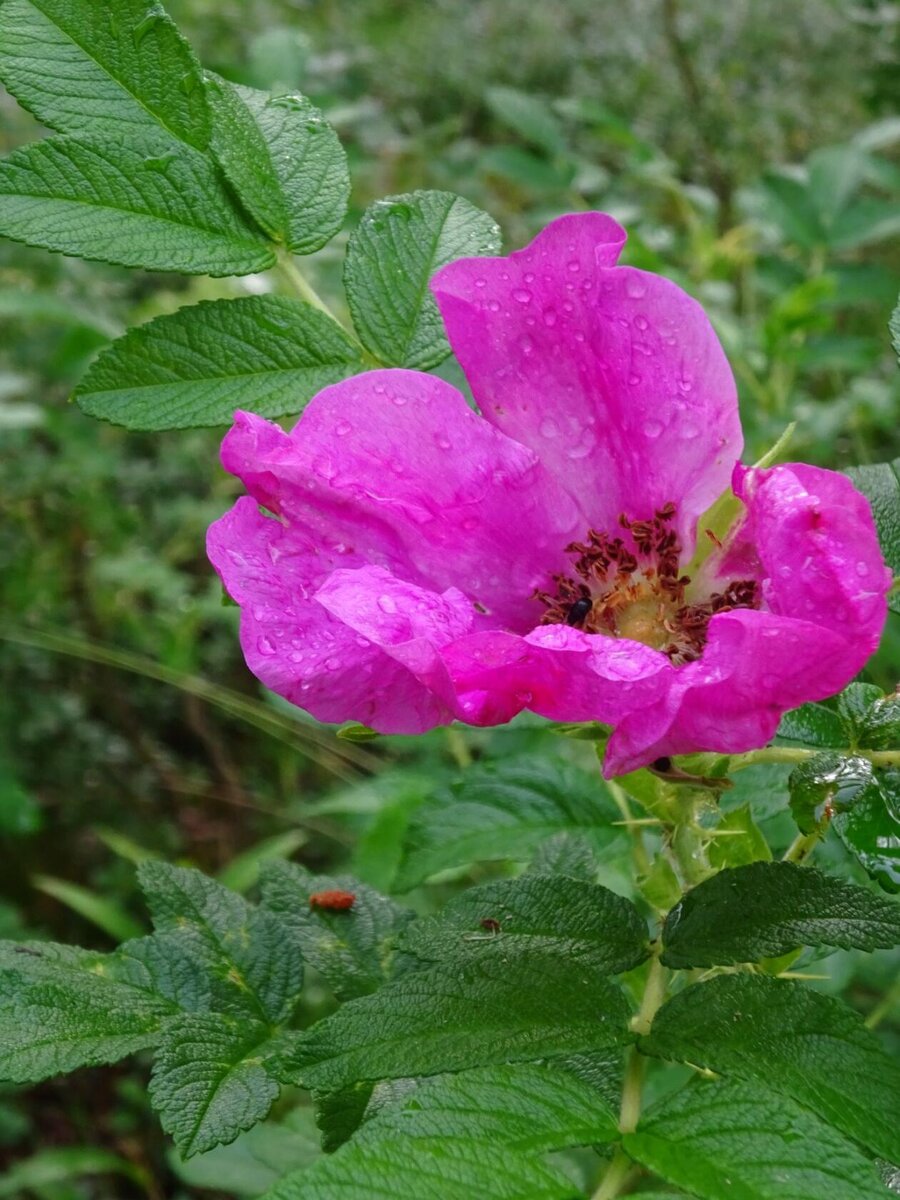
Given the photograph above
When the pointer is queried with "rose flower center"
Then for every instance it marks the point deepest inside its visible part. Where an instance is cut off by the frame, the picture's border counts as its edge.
(631, 586)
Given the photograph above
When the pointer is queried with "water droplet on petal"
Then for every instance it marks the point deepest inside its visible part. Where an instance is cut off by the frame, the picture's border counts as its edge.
(265, 645)
(494, 305)
(640, 322)
(480, 283)
(399, 400)
(343, 428)
(527, 344)
(689, 431)
(549, 428)
(635, 287)
(387, 604)
(634, 380)
(574, 265)
(521, 295)
(442, 441)
(325, 468)
(653, 428)
(584, 446)
(332, 664)
(550, 317)
(862, 569)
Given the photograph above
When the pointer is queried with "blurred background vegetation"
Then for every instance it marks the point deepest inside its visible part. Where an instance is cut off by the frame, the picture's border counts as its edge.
(752, 149)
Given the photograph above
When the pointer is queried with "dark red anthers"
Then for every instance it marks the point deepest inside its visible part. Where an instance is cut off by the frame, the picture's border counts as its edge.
(633, 587)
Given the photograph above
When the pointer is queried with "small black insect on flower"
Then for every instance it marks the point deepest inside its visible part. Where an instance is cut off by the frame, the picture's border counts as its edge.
(579, 611)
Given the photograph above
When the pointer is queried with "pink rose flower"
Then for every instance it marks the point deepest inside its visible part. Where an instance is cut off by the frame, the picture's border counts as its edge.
(424, 564)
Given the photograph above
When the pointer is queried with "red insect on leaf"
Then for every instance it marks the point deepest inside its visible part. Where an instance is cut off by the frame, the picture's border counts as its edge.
(333, 901)
(491, 924)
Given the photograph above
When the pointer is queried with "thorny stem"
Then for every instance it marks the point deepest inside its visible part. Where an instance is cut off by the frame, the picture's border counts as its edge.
(791, 754)
(801, 848)
(621, 1167)
(638, 849)
(458, 747)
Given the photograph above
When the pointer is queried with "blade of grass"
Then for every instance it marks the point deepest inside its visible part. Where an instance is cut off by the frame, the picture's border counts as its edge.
(321, 746)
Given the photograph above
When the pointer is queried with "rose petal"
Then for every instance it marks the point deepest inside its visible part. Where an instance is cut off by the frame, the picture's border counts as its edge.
(558, 672)
(408, 623)
(394, 465)
(612, 375)
(755, 667)
(295, 646)
(810, 539)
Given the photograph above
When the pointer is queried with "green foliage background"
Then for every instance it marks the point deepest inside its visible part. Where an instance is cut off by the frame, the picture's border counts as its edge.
(751, 150)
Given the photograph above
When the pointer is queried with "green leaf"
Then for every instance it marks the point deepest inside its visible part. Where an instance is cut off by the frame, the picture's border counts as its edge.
(879, 728)
(812, 725)
(118, 69)
(523, 1107)
(602, 1070)
(827, 782)
(565, 854)
(871, 829)
(168, 964)
(767, 909)
(63, 1008)
(737, 840)
(209, 1080)
(794, 208)
(528, 1006)
(399, 244)
(880, 483)
(660, 886)
(353, 949)
(794, 1041)
(106, 914)
(835, 174)
(339, 1114)
(242, 872)
(527, 116)
(863, 804)
(255, 1160)
(869, 219)
(853, 706)
(284, 161)
(49, 1167)
(579, 921)
(743, 1142)
(505, 812)
(254, 962)
(194, 367)
(411, 1170)
(128, 202)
